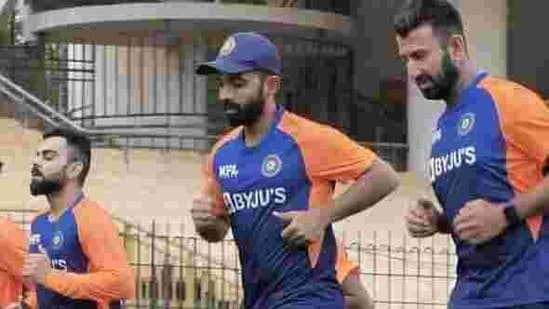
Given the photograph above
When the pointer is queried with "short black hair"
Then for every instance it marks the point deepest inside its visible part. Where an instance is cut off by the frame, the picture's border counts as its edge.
(80, 144)
(440, 14)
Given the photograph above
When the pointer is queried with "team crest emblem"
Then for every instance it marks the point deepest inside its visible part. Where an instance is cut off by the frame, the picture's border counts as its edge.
(57, 240)
(227, 47)
(466, 124)
(271, 166)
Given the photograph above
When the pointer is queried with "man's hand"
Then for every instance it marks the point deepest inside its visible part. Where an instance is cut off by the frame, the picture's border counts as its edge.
(303, 227)
(37, 266)
(421, 219)
(18, 305)
(211, 227)
(356, 295)
(479, 221)
(201, 212)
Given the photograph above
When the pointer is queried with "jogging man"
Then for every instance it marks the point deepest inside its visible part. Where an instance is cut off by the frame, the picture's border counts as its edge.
(76, 258)
(490, 146)
(271, 180)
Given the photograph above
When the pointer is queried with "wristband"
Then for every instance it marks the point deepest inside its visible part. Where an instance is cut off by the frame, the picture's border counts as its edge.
(510, 212)
(443, 225)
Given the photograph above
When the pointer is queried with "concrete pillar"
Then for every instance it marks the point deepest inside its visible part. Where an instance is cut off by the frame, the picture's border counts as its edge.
(486, 32)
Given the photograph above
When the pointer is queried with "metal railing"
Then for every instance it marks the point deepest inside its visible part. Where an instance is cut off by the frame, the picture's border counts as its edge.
(175, 270)
(53, 118)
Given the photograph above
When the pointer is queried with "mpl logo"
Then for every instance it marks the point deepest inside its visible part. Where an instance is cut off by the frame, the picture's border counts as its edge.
(34, 239)
(228, 171)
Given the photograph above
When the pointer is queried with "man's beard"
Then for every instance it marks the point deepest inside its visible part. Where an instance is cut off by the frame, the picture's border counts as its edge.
(442, 84)
(246, 114)
(45, 186)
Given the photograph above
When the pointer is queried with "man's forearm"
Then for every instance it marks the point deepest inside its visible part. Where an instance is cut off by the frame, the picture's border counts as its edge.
(354, 302)
(534, 202)
(374, 185)
(104, 284)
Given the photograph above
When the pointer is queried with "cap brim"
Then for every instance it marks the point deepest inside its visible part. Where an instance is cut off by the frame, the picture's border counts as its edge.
(222, 66)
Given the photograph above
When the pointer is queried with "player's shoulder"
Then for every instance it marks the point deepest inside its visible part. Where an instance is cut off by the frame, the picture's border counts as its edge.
(493, 82)
(7, 227)
(90, 210)
(39, 214)
(303, 129)
(12, 234)
(507, 92)
(226, 138)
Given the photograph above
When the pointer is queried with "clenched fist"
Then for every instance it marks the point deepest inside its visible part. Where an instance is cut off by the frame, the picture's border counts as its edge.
(209, 225)
(37, 266)
(422, 219)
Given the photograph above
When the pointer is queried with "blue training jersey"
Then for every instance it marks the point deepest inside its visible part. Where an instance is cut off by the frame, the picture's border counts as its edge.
(294, 167)
(492, 145)
(91, 268)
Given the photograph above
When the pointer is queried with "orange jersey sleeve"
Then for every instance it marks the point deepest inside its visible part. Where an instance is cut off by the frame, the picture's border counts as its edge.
(329, 156)
(526, 125)
(344, 266)
(109, 275)
(210, 185)
(212, 188)
(13, 244)
(524, 122)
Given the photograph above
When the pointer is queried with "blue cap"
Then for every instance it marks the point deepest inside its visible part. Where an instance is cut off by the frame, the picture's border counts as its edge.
(244, 52)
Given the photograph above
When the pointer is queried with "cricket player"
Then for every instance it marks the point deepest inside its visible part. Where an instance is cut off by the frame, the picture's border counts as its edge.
(76, 258)
(489, 149)
(13, 248)
(271, 180)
